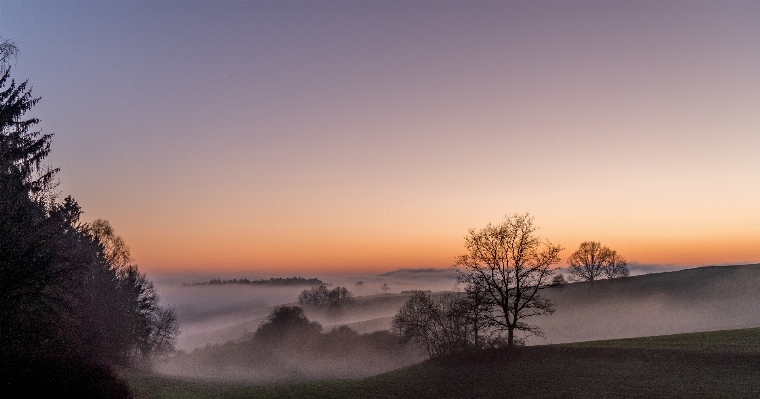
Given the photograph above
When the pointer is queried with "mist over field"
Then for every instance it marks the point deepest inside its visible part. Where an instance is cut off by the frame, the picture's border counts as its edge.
(219, 321)
(213, 314)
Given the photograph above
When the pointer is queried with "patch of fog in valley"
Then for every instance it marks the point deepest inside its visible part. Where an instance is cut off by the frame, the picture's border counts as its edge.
(691, 300)
(214, 314)
(218, 323)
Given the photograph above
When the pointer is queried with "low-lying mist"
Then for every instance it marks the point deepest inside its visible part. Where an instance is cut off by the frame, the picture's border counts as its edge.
(218, 322)
(214, 314)
(290, 347)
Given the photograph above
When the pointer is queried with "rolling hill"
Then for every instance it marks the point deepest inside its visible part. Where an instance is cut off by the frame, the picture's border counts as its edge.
(719, 364)
(699, 299)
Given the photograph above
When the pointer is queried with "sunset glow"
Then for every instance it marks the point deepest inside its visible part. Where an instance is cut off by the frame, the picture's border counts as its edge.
(283, 137)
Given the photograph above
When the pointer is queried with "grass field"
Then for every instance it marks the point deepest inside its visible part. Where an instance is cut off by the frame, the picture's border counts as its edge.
(743, 341)
(719, 364)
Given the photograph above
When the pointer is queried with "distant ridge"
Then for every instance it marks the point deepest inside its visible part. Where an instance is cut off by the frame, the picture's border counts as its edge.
(680, 282)
(278, 281)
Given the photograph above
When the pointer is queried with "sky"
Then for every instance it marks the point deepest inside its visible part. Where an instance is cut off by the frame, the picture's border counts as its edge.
(364, 136)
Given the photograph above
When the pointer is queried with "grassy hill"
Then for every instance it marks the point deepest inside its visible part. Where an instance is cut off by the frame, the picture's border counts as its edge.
(719, 364)
(699, 299)
(739, 342)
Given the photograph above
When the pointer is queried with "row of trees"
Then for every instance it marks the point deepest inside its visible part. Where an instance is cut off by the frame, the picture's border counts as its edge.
(503, 274)
(593, 261)
(321, 297)
(278, 281)
(443, 324)
(68, 289)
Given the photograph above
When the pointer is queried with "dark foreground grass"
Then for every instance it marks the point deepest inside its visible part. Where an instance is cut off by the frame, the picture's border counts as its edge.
(746, 341)
(723, 364)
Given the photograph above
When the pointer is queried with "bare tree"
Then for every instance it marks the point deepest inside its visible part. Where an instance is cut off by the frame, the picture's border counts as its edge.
(615, 266)
(478, 305)
(320, 296)
(8, 50)
(316, 296)
(115, 249)
(152, 328)
(558, 281)
(510, 264)
(413, 322)
(593, 261)
(385, 287)
(163, 335)
(439, 323)
(587, 263)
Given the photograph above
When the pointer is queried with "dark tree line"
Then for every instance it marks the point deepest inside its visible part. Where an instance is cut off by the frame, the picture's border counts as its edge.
(321, 297)
(69, 291)
(278, 281)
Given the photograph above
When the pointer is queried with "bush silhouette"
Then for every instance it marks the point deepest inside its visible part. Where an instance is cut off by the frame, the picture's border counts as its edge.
(286, 322)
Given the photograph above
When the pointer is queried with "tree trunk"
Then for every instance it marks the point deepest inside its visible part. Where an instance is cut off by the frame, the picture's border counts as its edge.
(510, 337)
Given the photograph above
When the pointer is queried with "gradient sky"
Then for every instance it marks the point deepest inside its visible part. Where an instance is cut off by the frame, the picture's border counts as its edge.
(366, 136)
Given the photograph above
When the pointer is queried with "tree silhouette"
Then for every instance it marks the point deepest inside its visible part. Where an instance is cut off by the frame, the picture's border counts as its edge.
(32, 265)
(151, 329)
(286, 322)
(22, 149)
(68, 295)
(558, 281)
(615, 266)
(320, 296)
(593, 261)
(510, 264)
(587, 262)
(443, 323)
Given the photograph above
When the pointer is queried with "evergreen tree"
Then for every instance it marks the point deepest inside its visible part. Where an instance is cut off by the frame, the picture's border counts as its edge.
(70, 294)
(29, 266)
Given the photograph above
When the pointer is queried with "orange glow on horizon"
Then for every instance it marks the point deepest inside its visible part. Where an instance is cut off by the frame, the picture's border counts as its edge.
(367, 255)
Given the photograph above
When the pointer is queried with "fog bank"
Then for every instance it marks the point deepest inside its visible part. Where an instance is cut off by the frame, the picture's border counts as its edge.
(214, 314)
(692, 300)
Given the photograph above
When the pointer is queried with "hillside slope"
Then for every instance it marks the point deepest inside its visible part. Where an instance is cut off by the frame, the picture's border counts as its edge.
(722, 364)
(699, 299)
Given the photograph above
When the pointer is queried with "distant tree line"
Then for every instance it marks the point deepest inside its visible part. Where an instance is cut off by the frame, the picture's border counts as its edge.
(275, 281)
(321, 297)
(70, 294)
